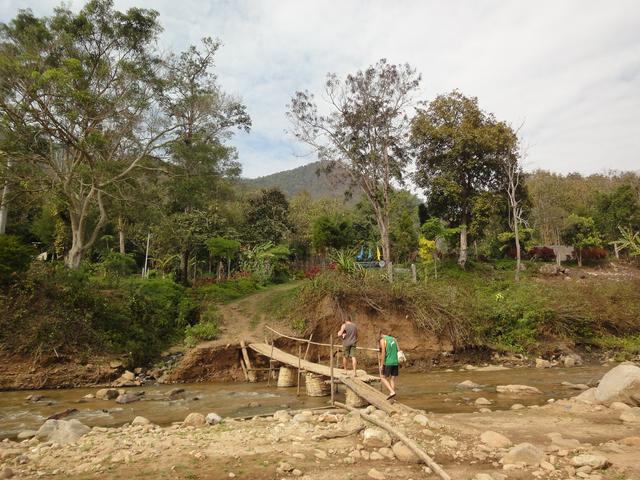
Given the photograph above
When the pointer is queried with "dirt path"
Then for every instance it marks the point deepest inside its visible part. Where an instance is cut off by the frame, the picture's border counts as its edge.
(245, 318)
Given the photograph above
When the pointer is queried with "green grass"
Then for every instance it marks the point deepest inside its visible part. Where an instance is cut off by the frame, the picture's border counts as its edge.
(225, 292)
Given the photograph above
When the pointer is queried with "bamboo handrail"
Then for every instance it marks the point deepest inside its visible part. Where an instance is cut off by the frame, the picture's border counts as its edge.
(315, 343)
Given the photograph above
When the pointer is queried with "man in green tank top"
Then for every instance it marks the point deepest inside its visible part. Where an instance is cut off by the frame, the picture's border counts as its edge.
(388, 362)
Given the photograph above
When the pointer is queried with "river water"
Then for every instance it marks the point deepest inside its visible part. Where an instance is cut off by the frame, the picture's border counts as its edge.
(433, 391)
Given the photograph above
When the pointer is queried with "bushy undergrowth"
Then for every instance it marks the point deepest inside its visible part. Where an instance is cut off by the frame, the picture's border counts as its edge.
(484, 306)
(54, 310)
(207, 329)
(228, 290)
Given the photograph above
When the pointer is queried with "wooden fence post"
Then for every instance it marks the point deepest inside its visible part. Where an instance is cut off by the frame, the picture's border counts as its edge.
(299, 360)
(331, 369)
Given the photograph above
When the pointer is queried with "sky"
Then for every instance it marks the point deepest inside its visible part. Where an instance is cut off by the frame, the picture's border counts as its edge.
(567, 73)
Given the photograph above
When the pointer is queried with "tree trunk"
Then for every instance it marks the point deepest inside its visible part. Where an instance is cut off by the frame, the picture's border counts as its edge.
(4, 206)
(516, 232)
(386, 250)
(79, 214)
(462, 257)
(579, 257)
(228, 267)
(121, 235)
(184, 267)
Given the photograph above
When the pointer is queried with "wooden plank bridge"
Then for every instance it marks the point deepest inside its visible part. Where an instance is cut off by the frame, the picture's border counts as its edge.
(359, 384)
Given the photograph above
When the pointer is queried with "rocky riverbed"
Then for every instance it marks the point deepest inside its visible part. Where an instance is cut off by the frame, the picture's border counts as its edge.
(593, 436)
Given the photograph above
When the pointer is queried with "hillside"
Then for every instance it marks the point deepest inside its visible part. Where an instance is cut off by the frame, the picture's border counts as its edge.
(304, 178)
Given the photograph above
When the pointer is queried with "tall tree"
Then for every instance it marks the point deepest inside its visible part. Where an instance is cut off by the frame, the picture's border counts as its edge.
(200, 161)
(267, 217)
(581, 233)
(514, 176)
(365, 131)
(460, 152)
(85, 85)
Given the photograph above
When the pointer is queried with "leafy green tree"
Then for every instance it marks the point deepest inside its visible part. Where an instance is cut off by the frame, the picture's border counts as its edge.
(620, 208)
(333, 231)
(460, 150)
(581, 232)
(220, 247)
(201, 165)
(364, 133)
(267, 217)
(14, 257)
(85, 84)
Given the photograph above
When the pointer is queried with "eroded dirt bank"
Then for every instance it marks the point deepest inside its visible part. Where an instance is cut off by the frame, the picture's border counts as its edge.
(285, 446)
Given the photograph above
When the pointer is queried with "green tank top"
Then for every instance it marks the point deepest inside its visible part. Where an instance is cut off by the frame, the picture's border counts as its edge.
(391, 351)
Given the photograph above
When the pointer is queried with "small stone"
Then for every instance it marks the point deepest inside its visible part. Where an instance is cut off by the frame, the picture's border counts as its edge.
(231, 475)
(6, 473)
(589, 460)
(107, 394)
(523, 453)
(404, 453)
(482, 401)
(386, 453)
(375, 474)
(125, 398)
(284, 467)
(447, 441)
(518, 389)
(467, 385)
(495, 440)
(421, 419)
(303, 417)
(375, 456)
(213, 418)
(482, 476)
(631, 416)
(296, 473)
(619, 406)
(631, 441)
(140, 421)
(320, 454)
(282, 416)
(376, 438)
(194, 420)
(517, 406)
(541, 363)
(547, 466)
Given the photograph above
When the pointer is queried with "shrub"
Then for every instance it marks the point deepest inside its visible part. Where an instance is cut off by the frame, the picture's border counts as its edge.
(14, 258)
(229, 290)
(116, 264)
(312, 272)
(545, 254)
(207, 329)
(594, 253)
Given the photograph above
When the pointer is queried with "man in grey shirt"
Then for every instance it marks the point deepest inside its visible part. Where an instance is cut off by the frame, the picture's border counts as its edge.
(349, 335)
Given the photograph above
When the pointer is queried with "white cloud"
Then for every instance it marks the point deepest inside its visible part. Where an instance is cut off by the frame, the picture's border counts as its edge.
(569, 71)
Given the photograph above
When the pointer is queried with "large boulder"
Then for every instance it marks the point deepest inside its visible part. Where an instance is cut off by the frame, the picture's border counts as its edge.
(495, 440)
(620, 384)
(376, 438)
(524, 453)
(467, 385)
(62, 432)
(542, 363)
(518, 389)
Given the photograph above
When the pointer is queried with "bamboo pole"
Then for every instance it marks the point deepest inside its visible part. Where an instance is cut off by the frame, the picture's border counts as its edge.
(299, 360)
(306, 352)
(331, 368)
(245, 355)
(421, 454)
(244, 370)
(307, 341)
(270, 365)
(379, 364)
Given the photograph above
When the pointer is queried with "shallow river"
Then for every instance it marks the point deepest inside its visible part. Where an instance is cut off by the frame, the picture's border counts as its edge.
(434, 391)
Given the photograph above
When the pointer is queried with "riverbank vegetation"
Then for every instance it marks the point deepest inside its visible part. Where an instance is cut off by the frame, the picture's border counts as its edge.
(124, 221)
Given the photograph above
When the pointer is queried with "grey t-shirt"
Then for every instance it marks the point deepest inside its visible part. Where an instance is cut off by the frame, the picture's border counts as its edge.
(351, 337)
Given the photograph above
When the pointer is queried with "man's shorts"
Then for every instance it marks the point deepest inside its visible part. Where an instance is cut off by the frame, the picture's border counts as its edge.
(349, 351)
(390, 371)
